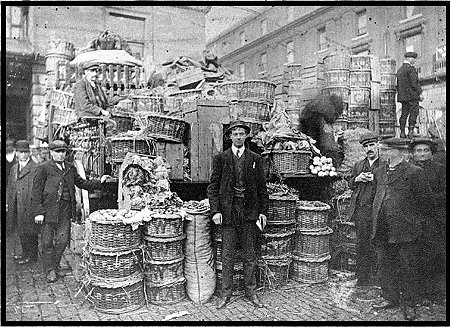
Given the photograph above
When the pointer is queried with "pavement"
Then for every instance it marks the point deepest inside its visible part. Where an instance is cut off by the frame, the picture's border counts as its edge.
(30, 298)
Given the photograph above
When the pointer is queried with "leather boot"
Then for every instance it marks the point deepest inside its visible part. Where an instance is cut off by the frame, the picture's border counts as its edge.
(411, 133)
(402, 133)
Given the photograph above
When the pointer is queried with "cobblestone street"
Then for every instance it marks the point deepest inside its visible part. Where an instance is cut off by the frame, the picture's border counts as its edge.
(30, 298)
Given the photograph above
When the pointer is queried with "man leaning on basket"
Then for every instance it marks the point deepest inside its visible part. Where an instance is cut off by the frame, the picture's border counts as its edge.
(53, 202)
(238, 200)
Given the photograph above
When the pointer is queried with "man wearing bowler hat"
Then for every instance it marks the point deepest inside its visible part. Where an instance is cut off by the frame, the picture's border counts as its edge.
(239, 201)
(54, 204)
(360, 211)
(90, 98)
(409, 93)
(18, 203)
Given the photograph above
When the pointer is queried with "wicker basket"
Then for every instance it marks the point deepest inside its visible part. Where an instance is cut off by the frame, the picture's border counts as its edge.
(249, 109)
(312, 215)
(281, 209)
(277, 245)
(119, 299)
(163, 225)
(167, 293)
(310, 270)
(164, 249)
(124, 124)
(229, 90)
(162, 127)
(259, 90)
(115, 265)
(62, 99)
(163, 272)
(148, 103)
(64, 116)
(342, 206)
(291, 162)
(273, 273)
(314, 244)
(122, 144)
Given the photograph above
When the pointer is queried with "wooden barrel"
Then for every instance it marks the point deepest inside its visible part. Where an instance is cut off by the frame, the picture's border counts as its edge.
(360, 63)
(342, 91)
(387, 128)
(339, 60)
(337, 77)
(357, 112)
(388, 81)
(360, 79)
(387, 66)
(359, 96)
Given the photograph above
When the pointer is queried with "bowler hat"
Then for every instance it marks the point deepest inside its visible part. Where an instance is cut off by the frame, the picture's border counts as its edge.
(91, 66)
(411, 54)
(58, 145)
(22, 145)
(237, 123)
(423, 140)
(368, 137)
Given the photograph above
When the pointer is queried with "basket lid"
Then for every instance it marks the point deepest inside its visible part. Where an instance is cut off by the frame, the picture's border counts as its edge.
(164, 240)
(313, 205)
(113, 253)
(309, 259)
(165, 262)
(153, 214)
(316, 232)
(282, 234)
(283, 197)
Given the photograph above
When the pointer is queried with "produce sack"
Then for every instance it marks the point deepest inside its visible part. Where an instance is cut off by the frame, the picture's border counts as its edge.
(199, 269)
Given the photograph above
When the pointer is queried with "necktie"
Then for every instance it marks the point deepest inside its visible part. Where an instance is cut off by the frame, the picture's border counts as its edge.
(238, 153)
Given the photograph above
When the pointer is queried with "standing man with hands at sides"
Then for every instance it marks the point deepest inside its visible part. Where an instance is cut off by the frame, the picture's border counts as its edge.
(361, 183)
(53, 202)
(239, 201)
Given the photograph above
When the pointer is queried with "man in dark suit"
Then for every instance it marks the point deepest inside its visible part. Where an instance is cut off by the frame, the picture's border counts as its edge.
(54, 205)
(409, 93)
(361, 204)
(403, 199)
(238, 200)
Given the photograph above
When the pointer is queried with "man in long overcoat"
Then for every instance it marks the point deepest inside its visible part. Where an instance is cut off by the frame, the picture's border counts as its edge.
(54, 204)
(403, 199)
(238, 199)
(18, 202)
(361, 204)
(409, 93)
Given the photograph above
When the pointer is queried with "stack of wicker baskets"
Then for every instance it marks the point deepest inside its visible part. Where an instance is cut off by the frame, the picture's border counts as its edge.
(311, 250)
(277, 240)
(164, 277)
(113, 260)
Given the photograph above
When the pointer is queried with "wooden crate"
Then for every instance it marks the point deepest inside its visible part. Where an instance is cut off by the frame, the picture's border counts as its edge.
(173, 152)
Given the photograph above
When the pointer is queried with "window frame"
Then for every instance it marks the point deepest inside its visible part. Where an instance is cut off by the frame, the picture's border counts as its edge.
(360, 14)
(291, 42)
(263, 63)
(322, 31)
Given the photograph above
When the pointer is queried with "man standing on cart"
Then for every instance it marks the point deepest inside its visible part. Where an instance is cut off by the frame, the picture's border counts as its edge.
(239, 200)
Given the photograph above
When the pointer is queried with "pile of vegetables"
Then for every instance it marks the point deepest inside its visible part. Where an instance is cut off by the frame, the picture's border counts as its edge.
(279, 189)
(322, 166)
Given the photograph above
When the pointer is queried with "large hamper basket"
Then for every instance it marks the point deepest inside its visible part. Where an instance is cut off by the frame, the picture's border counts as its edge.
(166, 293)
(311, 243)
(229, 90)
(310, 270)
(277, 245)
(291, 162)
(162, 127)
(163, 225)
(119, 299)
(115, 265)
(123, 143)
(108, 233)
(124, 123)
(163, 272)
(147, 103)
(164, 249)
(281, 209)
(312, 214)
(273, 273)
(258, 90)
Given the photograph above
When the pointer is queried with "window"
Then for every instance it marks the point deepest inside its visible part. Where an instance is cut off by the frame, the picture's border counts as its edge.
(131, 29)
(263, 62)
(322, 38)
(414, 43)
(17, 22)
(290, 52)
(242, 70)
(362, 22)
(290, 14)
(242, 38)
(264, 27)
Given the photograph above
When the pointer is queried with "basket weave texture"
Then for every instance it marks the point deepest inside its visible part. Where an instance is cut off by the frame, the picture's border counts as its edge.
(281, 209)
(273, 273)
(312, 215)
(163, 272)
(113, 236)
(164, 249)
(123, 124)
(308, 270)
(121, 145)
(109, 265)
(312, 243)
(291, 162)
(160, 126)
(164, 226)
(166, 293)
(277, 245)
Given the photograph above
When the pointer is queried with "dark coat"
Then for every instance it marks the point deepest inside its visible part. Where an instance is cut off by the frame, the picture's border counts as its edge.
(408, 87)
(18, 198)
(363, 192)
(407, 198)
(86, 105)
(221, 187)
(47, 188)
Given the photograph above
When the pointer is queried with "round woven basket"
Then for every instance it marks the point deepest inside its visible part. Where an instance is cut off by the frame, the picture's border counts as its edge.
(166, 293)
(312, 214)
(229, 90)
(163, 272)
(310, 270)
(110, 265)
(163, 225)
(273, 272)
(121, 144)
(123, 124)
(291, 162)
(277, 245)
(259, 90)
(314, 244)
(281, 209)
(162, 127)
(148, 103)
(164, 249)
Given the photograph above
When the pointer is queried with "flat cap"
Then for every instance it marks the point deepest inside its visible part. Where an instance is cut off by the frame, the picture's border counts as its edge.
(411, 54)
(423, 140)
(91, 66)
(22, 145)
(58, 145)
(237, 123)
(368, 137)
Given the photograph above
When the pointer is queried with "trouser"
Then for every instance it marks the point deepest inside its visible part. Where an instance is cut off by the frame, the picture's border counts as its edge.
(55, 238)
(29, 243)
(244, 232)
(398, 271)
(410, 108)
(365, 253)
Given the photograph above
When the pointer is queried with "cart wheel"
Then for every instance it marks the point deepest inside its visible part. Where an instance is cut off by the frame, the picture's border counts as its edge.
(82, 196)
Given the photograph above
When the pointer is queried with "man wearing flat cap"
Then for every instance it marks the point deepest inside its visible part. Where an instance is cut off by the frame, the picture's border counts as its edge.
(239, 201)
(90, 98)
(18, 203)
(360, 211)
(409, 93)
(54, 204)
(433, 248)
